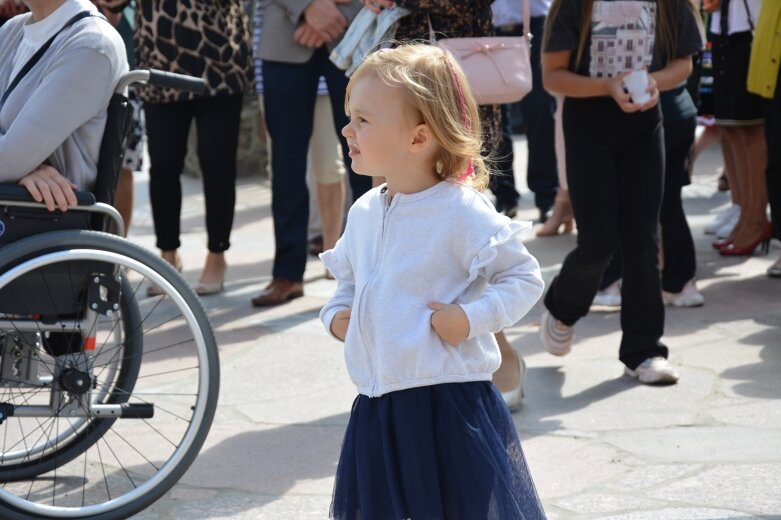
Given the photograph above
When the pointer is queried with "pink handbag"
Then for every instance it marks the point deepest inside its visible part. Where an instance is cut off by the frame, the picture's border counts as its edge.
(497, 67)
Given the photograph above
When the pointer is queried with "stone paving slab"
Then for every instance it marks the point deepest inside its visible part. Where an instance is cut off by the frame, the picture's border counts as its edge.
(599, 446)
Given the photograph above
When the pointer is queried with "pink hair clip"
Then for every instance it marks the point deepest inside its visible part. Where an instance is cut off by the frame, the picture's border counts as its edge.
(470, 169)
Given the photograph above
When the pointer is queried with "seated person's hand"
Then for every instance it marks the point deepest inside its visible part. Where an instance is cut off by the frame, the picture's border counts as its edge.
(340, 323)
(49, 186)
(450, 322)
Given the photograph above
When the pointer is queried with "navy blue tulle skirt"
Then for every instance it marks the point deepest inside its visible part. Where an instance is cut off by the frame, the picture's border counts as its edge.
(442, 452)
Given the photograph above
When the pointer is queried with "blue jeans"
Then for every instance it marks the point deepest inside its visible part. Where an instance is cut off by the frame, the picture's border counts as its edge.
(289, 93)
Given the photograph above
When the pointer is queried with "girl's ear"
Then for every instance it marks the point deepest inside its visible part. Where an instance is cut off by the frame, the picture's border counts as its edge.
(422, 138)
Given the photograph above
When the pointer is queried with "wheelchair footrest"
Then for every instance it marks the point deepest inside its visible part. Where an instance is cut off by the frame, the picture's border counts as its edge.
(124, 410)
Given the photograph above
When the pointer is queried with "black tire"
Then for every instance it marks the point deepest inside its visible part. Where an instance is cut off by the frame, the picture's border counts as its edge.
(140, 376)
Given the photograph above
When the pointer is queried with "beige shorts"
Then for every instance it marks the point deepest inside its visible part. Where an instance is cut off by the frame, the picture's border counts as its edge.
(325, 164)
(325, 151)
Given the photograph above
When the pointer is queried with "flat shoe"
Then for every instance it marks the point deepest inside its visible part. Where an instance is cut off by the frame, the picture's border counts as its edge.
(205, 289)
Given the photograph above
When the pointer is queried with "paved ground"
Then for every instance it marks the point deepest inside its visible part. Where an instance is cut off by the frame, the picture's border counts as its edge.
(598, 444)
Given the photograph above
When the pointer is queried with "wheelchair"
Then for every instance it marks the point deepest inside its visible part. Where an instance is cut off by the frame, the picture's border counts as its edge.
(106, 394)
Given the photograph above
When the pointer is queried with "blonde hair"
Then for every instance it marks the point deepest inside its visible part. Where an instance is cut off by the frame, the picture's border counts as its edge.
(436, 88)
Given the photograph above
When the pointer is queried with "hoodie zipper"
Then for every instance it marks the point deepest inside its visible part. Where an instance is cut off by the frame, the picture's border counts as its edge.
(362, 300)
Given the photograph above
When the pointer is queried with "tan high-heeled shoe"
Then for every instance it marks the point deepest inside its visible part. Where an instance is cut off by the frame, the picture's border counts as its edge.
(562, 216)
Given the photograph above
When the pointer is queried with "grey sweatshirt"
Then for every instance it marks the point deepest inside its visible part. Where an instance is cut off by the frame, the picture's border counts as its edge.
(57, 114)
(445, 244)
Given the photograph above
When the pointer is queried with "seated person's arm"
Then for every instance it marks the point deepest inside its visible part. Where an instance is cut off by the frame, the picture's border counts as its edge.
(76, 88)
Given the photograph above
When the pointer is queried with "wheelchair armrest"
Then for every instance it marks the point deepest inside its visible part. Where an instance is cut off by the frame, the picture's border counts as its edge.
(16, 193)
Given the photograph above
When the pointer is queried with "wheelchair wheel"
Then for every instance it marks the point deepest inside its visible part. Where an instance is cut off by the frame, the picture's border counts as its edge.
(117, 366)
(106, 395)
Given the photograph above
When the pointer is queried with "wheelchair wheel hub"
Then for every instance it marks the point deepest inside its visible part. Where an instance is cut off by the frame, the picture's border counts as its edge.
(75, 381)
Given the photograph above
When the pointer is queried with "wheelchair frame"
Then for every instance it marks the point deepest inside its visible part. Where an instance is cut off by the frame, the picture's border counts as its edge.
(83, 354)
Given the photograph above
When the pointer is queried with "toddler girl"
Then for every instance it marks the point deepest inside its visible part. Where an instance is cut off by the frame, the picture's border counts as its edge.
(430, 270)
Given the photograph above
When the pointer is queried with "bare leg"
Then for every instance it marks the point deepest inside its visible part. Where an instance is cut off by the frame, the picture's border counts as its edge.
(562, 216)
(330, 199)
(172, 257)
(124, 196)
(727, 150)
(506, 378)
(749, 155)
(214, 269)
(753, 154)
(709, 135)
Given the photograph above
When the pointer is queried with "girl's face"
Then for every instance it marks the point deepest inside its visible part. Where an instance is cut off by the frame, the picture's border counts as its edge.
(381, 128)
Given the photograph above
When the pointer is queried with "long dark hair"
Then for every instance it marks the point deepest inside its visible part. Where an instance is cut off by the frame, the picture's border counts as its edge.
(666, 37)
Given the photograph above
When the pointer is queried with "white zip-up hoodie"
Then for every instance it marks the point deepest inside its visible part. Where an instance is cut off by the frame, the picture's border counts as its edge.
(444, 244)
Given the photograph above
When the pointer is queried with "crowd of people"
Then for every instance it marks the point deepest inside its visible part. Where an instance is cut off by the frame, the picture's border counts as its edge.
(401, 133)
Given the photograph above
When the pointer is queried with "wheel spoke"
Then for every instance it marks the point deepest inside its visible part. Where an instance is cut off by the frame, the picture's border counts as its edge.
(151, 353)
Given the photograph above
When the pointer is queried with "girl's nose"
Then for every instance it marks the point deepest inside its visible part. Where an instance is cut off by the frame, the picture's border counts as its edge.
(346, 130)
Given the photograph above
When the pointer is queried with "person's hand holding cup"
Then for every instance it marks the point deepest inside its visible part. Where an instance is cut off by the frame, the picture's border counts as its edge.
(636, 84)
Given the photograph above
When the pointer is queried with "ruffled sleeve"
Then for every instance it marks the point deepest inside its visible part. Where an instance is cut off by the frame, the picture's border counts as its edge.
(512, 277)
(338, 262)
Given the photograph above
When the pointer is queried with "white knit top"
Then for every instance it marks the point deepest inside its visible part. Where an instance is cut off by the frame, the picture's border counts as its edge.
(444, 244)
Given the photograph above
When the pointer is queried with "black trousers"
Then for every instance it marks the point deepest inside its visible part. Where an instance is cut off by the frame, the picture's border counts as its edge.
(680, 259)
(537, 109)
(773, 137)
(502, 182)
(217, 124)
(615, 164)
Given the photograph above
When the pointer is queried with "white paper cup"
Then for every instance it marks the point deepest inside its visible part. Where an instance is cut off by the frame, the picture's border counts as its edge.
(636, 83)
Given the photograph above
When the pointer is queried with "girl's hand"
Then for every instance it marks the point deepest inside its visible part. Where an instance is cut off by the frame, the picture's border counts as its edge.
(340, 323)
(376, 6)
(653, 91)
(616, 90)
(449, 322)
(49, 186)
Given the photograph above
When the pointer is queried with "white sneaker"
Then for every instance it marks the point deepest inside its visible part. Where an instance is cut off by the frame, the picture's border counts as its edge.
(556, 337)
(726, 230)
(721, 219)
(688, 297)
(654, 371)
(610, 297)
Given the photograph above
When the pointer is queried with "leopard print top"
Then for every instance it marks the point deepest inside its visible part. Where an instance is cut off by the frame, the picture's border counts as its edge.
(209, 39)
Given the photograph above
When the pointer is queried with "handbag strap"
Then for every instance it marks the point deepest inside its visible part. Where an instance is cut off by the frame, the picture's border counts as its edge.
(38, 55)
(526, 23)
(748, 15)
